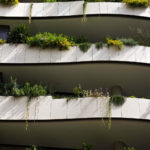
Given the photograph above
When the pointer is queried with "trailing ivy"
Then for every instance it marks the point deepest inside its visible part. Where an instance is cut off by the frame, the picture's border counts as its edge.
(30, 13)
(84, 11)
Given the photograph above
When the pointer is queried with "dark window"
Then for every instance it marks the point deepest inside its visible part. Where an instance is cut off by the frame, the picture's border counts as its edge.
(4, 32)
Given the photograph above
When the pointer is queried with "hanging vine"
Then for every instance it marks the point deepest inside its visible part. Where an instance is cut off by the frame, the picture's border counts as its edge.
(84, 19)
(109, 115)
(30, 13)
(27, 114)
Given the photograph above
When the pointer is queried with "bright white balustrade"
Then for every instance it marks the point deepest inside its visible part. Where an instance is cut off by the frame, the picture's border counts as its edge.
(71, 9)
(22, 53)
(44, 107)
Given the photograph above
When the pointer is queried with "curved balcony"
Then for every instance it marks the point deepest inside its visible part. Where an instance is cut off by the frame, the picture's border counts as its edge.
(53, 123)
(63, 9)
(46, 108)
(22, 53)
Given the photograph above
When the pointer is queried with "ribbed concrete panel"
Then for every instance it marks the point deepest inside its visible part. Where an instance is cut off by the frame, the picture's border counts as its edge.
(44, 107)
(85, 56)
(7, 105)
(74, 109)
(59, 109)
(69, 55)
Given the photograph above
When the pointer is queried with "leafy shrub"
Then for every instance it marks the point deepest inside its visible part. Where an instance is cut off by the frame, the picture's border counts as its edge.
(86, 146)
(137, 3)
(19, 34)
(117, 100)
(116, 43)
(84, 46)
(81, 39)
(99, 45)
(11, 88)
(77, 91)
(46, 40)
(14, 89)
(128, 41)
(128, 148)
(142, 36)
(9, 2)
(2, 41)
(34, 91)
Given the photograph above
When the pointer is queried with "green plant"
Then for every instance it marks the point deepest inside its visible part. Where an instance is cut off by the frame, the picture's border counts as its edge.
(14, 89)
(117, 100)
(104, 0)
(137, 3)
(46, 40)
(128, 148)
(116, 43)
(109, 115)
(46, 0)
(34, 91)
(19, 34)
(85, 93)
(77, 91)
(9, 2)
(132, 97)
(81, 39)
(84, 46)
(86, 146)
(70, 39)
(128, 41)
(2, 41)
(142, 37)
(17, 92)
(99, 45)
(33, 147)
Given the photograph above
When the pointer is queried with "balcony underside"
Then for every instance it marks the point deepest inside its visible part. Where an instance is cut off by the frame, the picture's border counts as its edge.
(134, 78)
(70, 134)
(98, 27)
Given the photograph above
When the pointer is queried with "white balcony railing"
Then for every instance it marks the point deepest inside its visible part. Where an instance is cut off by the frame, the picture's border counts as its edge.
(22, 53)
(44, 107)
(71, 9)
